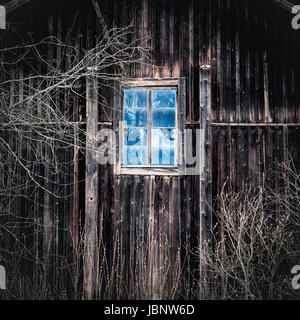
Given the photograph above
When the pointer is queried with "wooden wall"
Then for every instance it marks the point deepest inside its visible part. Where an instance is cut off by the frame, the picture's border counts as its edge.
(255, 98)
(154, 221)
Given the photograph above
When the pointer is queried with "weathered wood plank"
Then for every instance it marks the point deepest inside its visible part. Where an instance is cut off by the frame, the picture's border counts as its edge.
(91, 194)
(205, 159)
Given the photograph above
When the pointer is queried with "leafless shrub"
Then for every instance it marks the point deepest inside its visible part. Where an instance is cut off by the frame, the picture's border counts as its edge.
(114, 282)
(37, 114)
(43, 92)
(255, 243)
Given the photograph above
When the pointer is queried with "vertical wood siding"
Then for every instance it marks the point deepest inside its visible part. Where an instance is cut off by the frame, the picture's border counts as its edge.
(154, 220)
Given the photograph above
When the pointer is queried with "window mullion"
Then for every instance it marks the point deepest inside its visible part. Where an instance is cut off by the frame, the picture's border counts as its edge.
(149, 126)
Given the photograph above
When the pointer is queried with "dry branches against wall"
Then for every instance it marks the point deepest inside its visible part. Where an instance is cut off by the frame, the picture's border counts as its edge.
(37, 97)
(38, 92)
(256, 243)
(42, 134)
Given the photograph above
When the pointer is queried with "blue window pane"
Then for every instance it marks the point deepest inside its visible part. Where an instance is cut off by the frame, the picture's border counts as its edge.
(163, 156)
(136, 137)
(163, 137)
(136, 117)
(163, 118)
(135, 156)
(135, 98)
(163, 98)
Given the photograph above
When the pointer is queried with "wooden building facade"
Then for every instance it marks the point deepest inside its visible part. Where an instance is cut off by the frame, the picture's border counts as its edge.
(238, 61)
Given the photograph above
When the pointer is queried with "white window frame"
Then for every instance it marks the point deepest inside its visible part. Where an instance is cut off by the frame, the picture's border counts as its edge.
(173, 83)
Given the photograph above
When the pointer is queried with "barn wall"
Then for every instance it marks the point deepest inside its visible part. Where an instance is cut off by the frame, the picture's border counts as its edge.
(155, 219)
(148, 222)
(255, 73)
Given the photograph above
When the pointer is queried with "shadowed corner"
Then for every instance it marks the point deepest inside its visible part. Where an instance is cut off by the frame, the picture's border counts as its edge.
(2, 278)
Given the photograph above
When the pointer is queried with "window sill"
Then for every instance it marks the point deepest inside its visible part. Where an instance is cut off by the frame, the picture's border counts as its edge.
(151, 171)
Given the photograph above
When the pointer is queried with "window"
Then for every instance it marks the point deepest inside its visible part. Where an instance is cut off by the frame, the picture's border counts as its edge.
(151, 118)
(149, 127)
